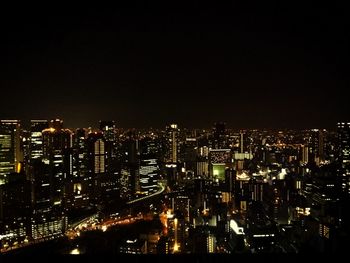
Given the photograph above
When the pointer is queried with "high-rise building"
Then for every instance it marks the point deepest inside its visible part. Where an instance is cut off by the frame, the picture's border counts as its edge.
(304, 154)
(11, 155)
(104, 184)
(202, 168)
(172, 139)
(343, 129)
(241, 142)
(36, 138)
(48, 218)
(80, 181)
(57, 144)
(97, 160)
(149, 170)
(219, 140)
(131, 163)
(15, 210)
(316, 146)
(109, 133)
(148, 175)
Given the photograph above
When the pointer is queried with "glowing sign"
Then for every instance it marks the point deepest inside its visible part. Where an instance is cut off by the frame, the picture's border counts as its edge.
(234, 226)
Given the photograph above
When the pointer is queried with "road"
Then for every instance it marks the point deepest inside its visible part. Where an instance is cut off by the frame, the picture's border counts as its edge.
(94, 225)
(89, 223)
(160, 190)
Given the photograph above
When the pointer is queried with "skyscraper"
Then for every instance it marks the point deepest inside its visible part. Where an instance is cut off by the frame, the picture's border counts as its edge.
(96, 166)
(57, 144)
(104, 186)
(148, 166)
(241, 142)
(316, 146)
(78, 187)
(50, 175)
(219, 136)
(36, 138)
(343, 130)
(107, 128)
(10, 151)
(172, 139)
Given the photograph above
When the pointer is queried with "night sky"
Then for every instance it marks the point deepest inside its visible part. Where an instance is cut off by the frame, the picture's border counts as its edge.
(272, 66)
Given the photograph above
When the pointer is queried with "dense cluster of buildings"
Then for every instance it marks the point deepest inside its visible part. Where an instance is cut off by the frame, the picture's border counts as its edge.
(227, 191)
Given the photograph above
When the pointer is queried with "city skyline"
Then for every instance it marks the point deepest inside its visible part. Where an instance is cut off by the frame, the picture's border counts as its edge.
(172, 190)
(264, 66)
(25, 124)
(168, 129)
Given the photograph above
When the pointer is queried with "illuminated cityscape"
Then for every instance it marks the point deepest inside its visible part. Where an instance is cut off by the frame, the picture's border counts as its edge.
(173, 190)
(212, 130)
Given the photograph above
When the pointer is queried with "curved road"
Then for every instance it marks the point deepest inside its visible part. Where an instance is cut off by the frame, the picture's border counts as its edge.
(161, 190)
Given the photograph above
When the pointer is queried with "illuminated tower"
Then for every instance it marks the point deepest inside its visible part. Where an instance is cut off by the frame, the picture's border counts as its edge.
(80, 180)
(96, 167)
(49, 176)
(57, 154)
(316, 146)
(11, 155)
(343, 130)
(131, 164)
(36, 138)
(104, 185)
(241, 142)
(172, 137)
(148, 166)
(107, 128)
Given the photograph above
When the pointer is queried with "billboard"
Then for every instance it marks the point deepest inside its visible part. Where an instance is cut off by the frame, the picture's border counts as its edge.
(220, 156)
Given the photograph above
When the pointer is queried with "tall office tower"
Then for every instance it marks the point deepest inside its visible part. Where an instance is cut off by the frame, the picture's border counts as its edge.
(81, 179)
(36, 138)
(104, 186)
(48, 218)
(131, 162)
(230, 180)
(219, 136)
(304, 154)
(109, 133)
(202, 169)
(316, 146)
(343, 130)
(80, 148)
(172, 139)
(189, 154)
(149, 170)
(57, 144)
(11, 155)
(15, 209)
(241, 141)
(50, 176)
(96, 165)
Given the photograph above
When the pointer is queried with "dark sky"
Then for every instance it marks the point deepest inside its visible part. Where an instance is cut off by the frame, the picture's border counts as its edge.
(260, 66)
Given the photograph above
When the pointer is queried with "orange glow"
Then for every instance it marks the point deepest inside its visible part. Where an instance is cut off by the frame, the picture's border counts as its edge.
(19, 166)
(176, 247)
(49, 130)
